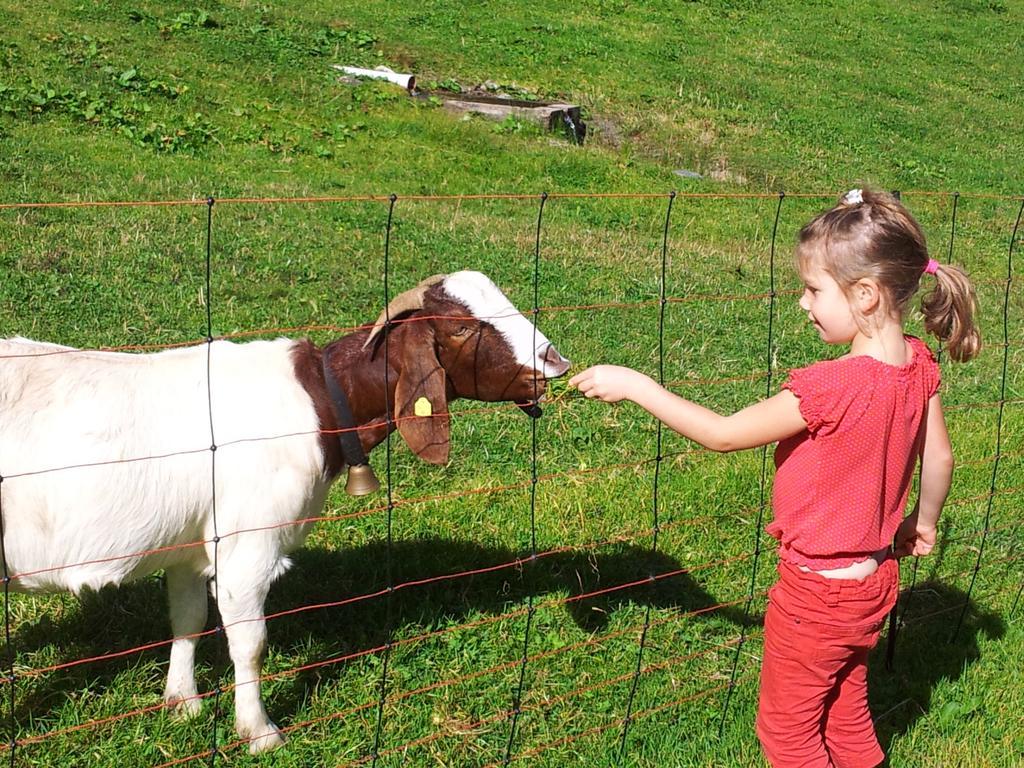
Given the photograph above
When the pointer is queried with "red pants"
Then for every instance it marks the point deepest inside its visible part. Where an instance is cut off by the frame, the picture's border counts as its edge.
(813, 710)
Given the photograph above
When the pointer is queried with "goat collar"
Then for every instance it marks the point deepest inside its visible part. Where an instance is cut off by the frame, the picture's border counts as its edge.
(351, 448)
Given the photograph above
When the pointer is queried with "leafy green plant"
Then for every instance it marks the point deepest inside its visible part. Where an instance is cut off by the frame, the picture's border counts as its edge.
(189, 20)
(331, 41)
(516, 125)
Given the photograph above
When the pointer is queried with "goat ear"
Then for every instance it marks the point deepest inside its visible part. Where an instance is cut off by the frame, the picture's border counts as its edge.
(421, 402)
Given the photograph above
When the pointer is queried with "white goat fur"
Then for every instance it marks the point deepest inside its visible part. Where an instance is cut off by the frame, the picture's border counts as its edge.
(61, 407)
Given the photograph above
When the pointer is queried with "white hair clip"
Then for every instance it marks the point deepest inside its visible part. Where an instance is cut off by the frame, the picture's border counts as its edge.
(853, 197)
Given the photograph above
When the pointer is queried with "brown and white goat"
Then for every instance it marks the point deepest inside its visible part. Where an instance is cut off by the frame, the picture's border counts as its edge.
(105, 457)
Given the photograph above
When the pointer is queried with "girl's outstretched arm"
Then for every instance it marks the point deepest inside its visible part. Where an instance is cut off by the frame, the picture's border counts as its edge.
(916, 535)
(759, 424)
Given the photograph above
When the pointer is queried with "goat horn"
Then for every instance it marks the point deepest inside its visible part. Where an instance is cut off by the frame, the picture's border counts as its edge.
(403, 302)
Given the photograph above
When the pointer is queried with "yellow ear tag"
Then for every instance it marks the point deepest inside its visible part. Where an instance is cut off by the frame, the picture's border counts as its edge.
(422, 407)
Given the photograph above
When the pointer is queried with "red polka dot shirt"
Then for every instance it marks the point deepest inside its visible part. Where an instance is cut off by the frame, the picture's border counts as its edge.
(841, 485)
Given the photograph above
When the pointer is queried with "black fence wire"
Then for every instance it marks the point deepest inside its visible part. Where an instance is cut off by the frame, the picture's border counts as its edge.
(658, 458)
(219, 629)
(524, 564)
(1007, 291)
(763, 477)
(528, 571)
(389, 481)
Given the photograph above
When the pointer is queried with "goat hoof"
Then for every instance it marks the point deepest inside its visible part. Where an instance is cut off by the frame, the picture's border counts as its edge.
(183, 707)
(268, 740)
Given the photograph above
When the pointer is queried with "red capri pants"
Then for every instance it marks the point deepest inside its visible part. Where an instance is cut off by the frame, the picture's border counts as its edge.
(813, 710)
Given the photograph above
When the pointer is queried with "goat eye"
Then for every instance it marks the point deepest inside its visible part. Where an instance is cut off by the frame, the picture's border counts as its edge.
(461, 331)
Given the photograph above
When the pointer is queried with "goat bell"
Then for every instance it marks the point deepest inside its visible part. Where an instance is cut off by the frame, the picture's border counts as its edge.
(361, 480)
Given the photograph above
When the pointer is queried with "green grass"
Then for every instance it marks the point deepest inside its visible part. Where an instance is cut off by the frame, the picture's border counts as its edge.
(155, 101)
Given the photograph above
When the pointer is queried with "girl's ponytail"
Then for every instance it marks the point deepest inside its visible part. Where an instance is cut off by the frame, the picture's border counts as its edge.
(949, 312)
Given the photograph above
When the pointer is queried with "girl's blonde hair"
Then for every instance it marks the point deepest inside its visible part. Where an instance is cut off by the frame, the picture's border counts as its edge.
(870, 234)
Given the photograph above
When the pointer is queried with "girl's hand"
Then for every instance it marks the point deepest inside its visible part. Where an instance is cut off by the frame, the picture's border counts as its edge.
(914, 538)
(610, 383)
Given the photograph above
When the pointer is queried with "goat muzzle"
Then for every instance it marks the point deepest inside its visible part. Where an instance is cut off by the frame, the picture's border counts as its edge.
(531, 409)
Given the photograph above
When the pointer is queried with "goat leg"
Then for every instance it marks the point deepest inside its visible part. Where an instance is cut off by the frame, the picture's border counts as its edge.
(186, 595)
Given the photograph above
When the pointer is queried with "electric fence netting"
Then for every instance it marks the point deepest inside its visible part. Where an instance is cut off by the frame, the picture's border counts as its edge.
(585, 587)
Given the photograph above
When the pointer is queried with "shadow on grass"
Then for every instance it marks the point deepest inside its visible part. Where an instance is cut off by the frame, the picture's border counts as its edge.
(927, 652)
(136, 614)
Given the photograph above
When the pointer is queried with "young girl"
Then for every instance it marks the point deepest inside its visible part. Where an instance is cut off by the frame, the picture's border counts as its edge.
(849, 433)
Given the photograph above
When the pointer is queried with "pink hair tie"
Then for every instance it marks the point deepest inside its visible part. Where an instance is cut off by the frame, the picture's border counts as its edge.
(931, 267)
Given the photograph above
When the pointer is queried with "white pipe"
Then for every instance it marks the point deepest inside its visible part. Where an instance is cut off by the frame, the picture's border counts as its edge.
(381, 73)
